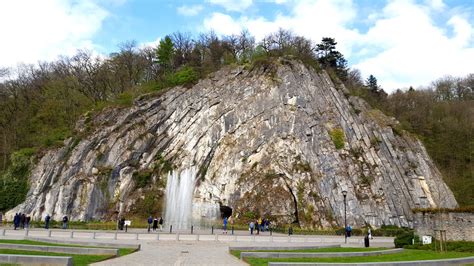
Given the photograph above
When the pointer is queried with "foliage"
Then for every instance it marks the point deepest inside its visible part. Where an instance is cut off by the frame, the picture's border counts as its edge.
(457, 246)
(337, 137)
(184, 76)
(142, 178)
(14, 182)
(404, 239)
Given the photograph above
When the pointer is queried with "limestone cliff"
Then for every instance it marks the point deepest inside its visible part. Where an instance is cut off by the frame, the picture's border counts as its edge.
(280, 141)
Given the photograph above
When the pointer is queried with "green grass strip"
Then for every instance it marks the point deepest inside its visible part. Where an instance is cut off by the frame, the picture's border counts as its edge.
(406, 255)
(121, 251)
(76, 259)
(335, 249)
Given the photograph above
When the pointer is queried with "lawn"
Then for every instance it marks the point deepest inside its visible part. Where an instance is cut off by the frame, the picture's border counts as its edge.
(406, 255)
(77, 259)
(334, 249)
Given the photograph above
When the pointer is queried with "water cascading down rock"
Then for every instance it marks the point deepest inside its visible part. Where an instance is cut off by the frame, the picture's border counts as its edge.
(179, 196)
(279, 141)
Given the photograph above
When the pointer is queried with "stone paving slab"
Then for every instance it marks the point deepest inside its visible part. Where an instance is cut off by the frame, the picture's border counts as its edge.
(178, 253)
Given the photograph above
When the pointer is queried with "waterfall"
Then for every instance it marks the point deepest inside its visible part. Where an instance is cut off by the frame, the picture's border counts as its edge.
(179, 196)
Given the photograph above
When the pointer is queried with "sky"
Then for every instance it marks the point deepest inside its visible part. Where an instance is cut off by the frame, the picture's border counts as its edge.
(401, 42)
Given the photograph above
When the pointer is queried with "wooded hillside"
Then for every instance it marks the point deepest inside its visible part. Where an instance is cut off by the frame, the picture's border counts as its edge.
(40, 104)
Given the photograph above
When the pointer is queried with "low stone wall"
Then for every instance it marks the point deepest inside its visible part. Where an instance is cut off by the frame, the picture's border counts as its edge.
(35, 260)
(458, 261)
(59, 249)
(458, 225)
(317, 254)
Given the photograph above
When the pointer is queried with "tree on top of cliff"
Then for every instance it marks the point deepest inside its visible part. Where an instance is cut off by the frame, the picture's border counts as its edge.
(329, 57)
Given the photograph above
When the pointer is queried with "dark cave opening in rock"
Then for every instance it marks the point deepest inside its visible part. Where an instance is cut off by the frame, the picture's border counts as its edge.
(226, 211)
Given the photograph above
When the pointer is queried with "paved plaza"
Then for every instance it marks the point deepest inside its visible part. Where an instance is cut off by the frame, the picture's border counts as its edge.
(183, 248)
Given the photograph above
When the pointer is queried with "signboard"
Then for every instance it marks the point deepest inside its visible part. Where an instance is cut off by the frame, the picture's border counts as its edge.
(128, 223)
(426, 240)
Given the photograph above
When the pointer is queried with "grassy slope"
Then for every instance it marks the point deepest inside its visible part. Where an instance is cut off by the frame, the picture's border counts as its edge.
(237, 252)
(406, 255)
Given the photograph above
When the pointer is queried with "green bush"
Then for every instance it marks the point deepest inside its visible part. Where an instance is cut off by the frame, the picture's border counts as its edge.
(184, 76)
(337, 136)
(142, 178)
(14, 182)
(405, 239)
(457, 246)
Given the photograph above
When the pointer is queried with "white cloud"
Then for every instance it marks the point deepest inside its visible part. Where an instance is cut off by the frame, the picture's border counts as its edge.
(190, 10)
(403, 46)
(222, 24)
(414, 50)
(42, 30)
(232, 5)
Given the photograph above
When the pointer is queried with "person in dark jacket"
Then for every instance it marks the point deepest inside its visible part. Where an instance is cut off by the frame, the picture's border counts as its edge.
(27, 221)
(161, 223)
(46, 221)
(150, 221)
(155, 223)
(16, 221)
(65, 220)
(22, 220)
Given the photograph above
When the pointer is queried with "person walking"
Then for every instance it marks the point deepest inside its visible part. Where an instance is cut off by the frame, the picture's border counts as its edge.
(27, 221)
(1, 218)
(16, 221)
(369, 233)
(150, 221)
(225, 225)
(161, 223)
(65, 220)
(155, 224)
(46, 221)
(251, 226)
(22, 220)
(257, 227)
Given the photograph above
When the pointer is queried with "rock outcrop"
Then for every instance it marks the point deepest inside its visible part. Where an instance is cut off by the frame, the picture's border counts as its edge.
(280, 141)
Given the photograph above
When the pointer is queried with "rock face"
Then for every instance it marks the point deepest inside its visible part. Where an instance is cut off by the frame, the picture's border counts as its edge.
(281, 141)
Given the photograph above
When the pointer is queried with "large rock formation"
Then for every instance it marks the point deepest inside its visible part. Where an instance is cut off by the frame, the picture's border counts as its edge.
(279, 140)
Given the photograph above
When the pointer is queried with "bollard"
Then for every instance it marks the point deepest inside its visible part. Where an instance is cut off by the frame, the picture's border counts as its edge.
(171, 229)
(212, 230)
(271, 231)
(136, 236)
(232, 229)
(3, 232)
(115, 236)
(49, 233)
(26, 232)
(192, 227)
(126, 227)
(93, 235)
(72, 234)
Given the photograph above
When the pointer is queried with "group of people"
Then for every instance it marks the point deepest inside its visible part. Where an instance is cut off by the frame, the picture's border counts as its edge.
(154, 222)
(21, 220)
(259, 225)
